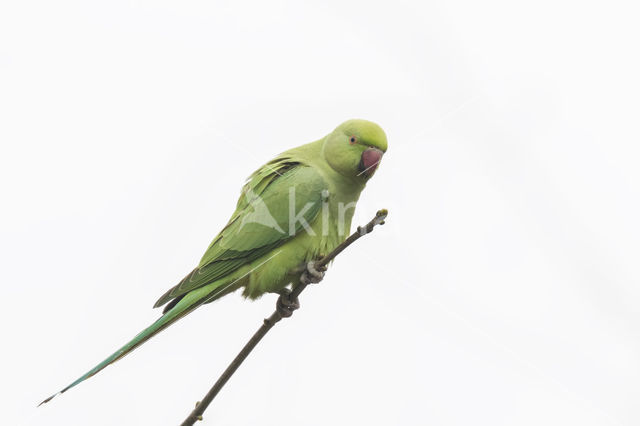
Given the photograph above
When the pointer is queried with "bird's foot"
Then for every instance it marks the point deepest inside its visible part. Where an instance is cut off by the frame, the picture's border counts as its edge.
(286, 305)
(312, 274)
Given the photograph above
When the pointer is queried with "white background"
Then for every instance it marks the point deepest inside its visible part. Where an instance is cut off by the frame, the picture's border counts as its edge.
(502, 291)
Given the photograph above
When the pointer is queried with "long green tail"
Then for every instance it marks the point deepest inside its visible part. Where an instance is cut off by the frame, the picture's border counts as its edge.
(185, 306)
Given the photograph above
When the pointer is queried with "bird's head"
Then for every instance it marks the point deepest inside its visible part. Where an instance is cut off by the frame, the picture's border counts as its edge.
(354, 149)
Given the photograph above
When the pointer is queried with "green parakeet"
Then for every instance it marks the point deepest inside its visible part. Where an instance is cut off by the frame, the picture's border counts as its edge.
(295, 207)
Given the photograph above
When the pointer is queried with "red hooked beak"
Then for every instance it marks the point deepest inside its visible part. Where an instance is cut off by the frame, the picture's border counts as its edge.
(369, 161)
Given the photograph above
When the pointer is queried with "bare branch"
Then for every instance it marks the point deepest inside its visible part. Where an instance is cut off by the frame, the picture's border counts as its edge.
(201, 406)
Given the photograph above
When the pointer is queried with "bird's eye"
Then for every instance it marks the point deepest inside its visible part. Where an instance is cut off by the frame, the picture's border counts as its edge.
(353, 140)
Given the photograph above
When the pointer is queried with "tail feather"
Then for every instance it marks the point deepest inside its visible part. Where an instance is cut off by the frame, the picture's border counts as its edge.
(160, 324)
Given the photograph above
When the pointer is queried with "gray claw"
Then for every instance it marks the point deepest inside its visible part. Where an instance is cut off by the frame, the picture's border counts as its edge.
(312, 275)
(285, 305)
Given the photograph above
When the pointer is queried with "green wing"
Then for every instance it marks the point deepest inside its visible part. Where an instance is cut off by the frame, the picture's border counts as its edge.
(260, 222)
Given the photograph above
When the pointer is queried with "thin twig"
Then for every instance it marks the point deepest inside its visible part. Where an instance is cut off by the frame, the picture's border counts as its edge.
(201, 406)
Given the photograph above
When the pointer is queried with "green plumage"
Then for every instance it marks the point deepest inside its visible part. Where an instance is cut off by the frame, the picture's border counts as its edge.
(293, 208)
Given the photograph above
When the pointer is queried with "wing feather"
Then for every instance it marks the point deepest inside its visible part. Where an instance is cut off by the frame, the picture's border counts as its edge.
(260, 222)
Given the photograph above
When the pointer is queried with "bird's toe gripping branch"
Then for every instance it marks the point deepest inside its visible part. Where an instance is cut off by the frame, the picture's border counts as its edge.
(286, 304)
(312, 274)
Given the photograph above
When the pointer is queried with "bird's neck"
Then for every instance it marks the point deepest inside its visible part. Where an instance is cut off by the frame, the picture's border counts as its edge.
(312, 154)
